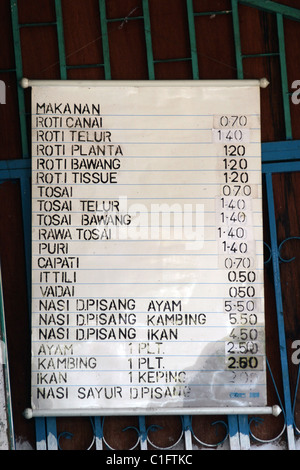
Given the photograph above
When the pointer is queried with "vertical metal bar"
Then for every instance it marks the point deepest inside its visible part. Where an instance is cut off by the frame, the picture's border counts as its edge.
(186, 425)
(193, 42)
(237, 440)
(244, 432)
(237, 39)
(280, 318)
(19, 76)
(98, 432)
(284, 77)
(60, 40)
(40, 433)
(143, 432)
(39, 423)
(234, 438)
(105, 43)
(51, 434)
(148, 38)
(26, 214)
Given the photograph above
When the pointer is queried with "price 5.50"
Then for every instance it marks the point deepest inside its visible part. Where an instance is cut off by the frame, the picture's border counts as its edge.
(242, 318)
(239, 305)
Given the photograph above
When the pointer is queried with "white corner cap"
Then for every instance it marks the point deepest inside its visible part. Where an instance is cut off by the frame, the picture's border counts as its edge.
(264, 82)
(276, 410)
(24, 83)
(27, 413)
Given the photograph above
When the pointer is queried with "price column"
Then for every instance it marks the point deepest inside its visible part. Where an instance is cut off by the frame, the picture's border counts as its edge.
(239, 237)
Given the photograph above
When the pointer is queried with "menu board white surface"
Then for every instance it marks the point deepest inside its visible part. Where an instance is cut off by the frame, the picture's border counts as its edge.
(147, 247)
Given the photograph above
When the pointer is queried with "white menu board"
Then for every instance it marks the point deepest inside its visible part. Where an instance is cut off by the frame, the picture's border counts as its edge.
(147, 246)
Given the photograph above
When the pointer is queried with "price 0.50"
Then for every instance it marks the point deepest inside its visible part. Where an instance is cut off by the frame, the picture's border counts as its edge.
(241, 291)
(241, 276)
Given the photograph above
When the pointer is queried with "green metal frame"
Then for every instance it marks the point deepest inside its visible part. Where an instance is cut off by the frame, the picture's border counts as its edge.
(274, 7)
(277, 157)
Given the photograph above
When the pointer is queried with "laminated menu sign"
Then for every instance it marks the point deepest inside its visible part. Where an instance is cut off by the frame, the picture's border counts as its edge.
(147, 251)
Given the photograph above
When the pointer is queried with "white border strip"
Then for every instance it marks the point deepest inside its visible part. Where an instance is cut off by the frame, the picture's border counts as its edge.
(263, 83)
(257, 410)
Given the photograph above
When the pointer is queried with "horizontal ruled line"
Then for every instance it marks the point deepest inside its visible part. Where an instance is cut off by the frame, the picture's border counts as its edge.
(174, 297)
(146, 327)
(102, 341)
(184, 241)
(199, 157)
(151, 254)
(131, 115)
(147, 184)
(149, 370)
(104, 312)
(158, 384)
(147, 269)
(202, 328)
(137, 143)
(174, 198)
(163, 129)
(154, 283)
(194, 170)
(150, 355)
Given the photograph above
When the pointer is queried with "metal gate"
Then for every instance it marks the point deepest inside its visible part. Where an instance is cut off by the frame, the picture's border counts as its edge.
(129, 21)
